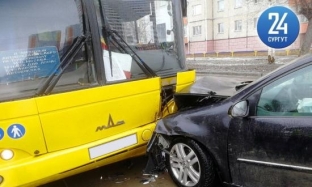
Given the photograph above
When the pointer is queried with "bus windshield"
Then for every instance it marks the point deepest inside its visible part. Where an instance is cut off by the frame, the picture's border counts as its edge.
(35, 35)
(151, 28)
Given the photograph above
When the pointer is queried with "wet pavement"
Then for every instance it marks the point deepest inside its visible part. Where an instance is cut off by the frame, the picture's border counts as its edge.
(126, 174)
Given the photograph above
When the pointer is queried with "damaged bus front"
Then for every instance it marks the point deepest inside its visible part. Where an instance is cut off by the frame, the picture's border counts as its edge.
(83, 82)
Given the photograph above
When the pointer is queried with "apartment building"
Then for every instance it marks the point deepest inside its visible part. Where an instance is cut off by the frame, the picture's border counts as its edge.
(216, 26)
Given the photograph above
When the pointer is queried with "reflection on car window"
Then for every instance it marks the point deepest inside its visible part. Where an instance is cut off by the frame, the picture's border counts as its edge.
(288, 96)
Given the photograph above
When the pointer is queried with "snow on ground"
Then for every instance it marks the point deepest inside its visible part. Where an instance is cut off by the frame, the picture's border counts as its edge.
(237, 65)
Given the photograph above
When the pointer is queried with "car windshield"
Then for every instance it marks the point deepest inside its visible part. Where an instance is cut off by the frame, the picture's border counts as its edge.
(34, 35)
(149, 28)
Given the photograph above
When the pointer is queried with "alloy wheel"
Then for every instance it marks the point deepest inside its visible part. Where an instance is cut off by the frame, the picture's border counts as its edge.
(184, 164)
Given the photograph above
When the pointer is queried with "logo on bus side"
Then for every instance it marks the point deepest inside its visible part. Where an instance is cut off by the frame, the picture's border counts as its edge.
(110, 124)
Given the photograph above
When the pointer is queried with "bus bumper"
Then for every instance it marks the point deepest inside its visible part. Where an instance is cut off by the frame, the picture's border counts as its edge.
(52, 166)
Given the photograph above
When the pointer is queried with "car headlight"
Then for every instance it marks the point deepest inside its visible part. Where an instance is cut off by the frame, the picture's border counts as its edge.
(7, 154)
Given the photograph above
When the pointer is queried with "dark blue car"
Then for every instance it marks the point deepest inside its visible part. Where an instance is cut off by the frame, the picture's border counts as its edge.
(260, 136)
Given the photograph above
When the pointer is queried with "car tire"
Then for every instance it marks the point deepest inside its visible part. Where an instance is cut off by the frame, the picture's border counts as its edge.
(189, 165)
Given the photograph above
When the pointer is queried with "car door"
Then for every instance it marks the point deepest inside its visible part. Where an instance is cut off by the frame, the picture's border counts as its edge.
(272, 146)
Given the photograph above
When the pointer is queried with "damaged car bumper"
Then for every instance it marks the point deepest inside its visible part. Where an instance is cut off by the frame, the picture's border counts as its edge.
(156, 150)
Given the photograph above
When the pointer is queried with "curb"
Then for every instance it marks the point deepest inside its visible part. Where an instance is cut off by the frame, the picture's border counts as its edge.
(253, 53)
(239, 58)
(245, 74)
(229, 57)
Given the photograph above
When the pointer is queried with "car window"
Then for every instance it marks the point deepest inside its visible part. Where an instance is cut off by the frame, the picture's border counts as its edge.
(290, 95)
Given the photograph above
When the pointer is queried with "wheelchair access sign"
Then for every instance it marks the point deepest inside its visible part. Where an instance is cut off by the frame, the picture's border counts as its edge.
(1, 133)
(16, 131)
(278, 27)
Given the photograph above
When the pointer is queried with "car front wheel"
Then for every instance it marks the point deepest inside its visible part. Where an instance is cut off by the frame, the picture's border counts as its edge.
(189, 165)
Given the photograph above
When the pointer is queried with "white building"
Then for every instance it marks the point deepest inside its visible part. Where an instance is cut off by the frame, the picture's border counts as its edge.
(216, 26)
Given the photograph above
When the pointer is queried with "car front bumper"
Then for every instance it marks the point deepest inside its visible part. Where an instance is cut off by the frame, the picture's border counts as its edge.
(156, 151)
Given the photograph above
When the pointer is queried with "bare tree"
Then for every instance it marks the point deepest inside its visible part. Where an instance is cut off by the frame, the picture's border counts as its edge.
(304, 7)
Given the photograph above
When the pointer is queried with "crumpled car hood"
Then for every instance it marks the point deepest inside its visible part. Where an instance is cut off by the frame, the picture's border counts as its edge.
(207, 90)
(225, 86)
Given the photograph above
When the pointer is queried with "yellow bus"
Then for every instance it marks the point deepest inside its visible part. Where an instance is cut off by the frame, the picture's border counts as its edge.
(83, 82)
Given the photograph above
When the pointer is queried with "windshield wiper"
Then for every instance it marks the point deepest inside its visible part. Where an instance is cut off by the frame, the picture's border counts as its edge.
(111, 34)
(66, 59)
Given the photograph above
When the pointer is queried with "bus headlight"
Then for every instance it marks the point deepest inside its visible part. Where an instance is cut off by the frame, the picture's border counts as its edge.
(7, 154)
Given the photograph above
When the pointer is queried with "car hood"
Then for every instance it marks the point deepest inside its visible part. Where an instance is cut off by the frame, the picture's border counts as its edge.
(206, 91)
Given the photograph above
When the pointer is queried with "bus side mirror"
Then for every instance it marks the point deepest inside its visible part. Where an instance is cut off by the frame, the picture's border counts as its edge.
(184, 8)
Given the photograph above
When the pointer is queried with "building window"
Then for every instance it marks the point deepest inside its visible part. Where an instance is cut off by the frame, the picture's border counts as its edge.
(185, 31)
(197, 10)
(162, 3)
(220, 28)
(238, 25)
(221, 5)
(255, 22)
(197, 30)
(238, 3)
(303, 19)
(161, 32)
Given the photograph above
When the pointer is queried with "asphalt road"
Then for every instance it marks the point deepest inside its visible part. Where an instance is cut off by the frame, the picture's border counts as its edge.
(126, 174)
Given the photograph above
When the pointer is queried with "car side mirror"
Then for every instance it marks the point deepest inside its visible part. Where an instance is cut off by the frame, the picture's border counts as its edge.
(240, 109)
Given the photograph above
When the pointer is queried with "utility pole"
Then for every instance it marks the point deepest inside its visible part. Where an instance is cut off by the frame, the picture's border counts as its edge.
(271, 51)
